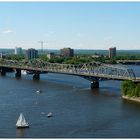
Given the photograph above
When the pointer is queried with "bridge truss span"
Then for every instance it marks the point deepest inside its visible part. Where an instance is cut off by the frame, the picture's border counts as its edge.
(92, 70)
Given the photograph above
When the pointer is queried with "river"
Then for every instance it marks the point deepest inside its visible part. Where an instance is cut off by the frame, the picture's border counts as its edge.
(78, 111)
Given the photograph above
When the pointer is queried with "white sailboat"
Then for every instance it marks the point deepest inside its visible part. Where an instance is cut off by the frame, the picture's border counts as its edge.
(21, 122)
(50, 114)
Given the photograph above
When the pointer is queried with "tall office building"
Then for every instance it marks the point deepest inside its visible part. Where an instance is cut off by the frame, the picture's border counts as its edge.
(18, 51)
(31, 53)
(112, 52)
(67, 52)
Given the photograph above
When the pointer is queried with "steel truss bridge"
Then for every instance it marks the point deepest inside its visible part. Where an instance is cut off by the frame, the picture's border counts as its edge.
(93, 71)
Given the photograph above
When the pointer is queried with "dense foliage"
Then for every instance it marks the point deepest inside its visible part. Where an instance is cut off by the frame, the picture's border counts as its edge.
(128, 57)
(76, 59)
(15, 57)
(131, 89)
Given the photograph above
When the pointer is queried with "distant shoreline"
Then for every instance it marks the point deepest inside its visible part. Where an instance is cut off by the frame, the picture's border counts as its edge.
(136, 99)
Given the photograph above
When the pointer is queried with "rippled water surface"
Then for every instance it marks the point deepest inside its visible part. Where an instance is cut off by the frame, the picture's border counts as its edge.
(78, 111)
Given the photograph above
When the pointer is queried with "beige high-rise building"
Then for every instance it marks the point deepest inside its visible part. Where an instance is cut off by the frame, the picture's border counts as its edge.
(50, 55)
(67, 52)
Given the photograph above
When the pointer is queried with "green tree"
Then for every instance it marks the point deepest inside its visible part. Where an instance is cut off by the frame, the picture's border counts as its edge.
(43, 57)
(128, 88)
(15, 57)
(137, 90)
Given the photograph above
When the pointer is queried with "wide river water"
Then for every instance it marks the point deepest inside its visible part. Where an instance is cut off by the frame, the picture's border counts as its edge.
(78, 111)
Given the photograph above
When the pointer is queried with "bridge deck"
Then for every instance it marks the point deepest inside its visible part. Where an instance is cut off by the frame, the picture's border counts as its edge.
(87, 70)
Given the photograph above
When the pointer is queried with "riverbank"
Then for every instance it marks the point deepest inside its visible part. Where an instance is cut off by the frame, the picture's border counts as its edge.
(136, 99)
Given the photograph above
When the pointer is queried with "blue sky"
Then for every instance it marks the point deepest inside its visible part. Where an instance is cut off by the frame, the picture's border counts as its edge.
(79, 25)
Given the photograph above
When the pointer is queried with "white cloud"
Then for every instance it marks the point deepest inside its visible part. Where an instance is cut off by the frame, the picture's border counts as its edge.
(7, 31)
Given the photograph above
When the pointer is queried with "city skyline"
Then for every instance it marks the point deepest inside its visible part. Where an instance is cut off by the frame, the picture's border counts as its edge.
(78, 25)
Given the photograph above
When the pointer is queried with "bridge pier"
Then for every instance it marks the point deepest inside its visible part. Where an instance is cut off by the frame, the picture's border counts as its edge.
(94, 84)
(36, 76)
(3, 71)
(18, 73)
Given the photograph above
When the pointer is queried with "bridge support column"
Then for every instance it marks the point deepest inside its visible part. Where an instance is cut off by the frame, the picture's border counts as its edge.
(18, 73)
(95, 84)
(3, 71)
(36, 76)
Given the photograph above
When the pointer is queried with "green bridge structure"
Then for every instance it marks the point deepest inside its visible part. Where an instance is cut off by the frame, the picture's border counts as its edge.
(93, 71)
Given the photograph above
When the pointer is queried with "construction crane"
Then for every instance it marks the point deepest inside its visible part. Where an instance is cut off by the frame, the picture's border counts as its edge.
(41, 43)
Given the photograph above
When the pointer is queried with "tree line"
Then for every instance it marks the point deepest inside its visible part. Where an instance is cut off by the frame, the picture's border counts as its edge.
(130, 89)
(77, 59)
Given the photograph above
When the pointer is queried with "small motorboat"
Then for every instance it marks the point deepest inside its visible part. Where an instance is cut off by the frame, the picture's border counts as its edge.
(21, 122)
(49, 114)
(38, 91)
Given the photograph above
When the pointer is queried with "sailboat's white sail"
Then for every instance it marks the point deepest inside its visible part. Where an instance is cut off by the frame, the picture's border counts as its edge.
(21, 122)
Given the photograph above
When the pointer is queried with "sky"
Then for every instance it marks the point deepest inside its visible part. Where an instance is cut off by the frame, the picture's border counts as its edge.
(78, 25)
